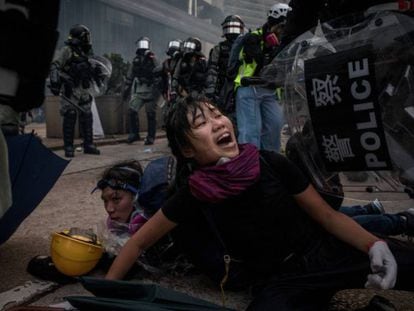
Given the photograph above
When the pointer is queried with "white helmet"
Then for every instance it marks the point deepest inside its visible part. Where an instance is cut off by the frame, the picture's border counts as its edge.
(279, 10)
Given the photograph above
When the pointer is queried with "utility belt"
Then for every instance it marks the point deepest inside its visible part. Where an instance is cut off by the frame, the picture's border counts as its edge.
(146, 81)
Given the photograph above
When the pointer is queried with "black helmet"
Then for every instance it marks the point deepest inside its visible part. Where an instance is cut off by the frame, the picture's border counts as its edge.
(192, 44)
(174, 46)
(143, 43)
(232, 24)
(79, 35)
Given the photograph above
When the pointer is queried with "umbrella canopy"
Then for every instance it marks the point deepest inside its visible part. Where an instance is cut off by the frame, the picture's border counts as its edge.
(128, 295)
(33, 169)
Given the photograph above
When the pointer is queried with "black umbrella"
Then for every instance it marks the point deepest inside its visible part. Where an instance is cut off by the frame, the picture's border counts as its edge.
(129, 295)
(33, 170)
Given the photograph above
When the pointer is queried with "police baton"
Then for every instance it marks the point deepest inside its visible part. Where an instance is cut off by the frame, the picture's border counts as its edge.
(73, 104)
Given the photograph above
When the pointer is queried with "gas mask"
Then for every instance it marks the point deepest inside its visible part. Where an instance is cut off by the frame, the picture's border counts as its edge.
(271, 40)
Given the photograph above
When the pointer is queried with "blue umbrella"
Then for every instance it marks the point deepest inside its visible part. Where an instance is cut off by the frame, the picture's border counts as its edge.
(33, 170)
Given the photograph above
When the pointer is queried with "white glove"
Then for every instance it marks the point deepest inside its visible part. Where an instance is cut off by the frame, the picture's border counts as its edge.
(383, 266)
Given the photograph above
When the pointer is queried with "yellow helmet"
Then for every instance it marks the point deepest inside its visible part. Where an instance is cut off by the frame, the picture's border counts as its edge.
(74, 255)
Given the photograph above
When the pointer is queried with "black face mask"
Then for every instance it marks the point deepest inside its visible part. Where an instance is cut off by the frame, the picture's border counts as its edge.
(231, 36)
(31, 24)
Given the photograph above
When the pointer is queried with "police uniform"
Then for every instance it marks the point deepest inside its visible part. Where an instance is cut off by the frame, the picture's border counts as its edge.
(143, 90)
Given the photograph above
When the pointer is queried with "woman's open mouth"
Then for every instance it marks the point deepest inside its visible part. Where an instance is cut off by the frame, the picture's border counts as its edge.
(224, 139)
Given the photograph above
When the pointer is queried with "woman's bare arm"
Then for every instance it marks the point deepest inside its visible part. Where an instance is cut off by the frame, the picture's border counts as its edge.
(154, 229)
(336, 223)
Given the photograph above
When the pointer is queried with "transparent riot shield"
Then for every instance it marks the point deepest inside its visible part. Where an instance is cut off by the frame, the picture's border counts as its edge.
(349, 103)
(103, 67)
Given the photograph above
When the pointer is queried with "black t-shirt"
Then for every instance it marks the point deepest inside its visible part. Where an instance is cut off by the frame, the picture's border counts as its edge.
(262, 226)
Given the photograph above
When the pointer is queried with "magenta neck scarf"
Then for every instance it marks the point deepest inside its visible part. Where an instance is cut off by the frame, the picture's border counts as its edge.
(216, 183)
(136, 222)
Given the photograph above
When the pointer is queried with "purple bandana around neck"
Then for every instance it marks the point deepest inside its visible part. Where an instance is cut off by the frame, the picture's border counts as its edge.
(216, 183)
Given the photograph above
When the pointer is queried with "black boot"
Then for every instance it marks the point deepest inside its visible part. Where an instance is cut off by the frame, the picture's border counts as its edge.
(152, 124)
(86, 124)
(133, 126)
(69, 120)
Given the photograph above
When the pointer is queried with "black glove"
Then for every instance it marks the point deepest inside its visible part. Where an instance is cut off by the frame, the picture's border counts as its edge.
(173, 96)
(98, 75)
(55, 88)
(86, 83)
(252, 48)
(68, 89)
(55, 80)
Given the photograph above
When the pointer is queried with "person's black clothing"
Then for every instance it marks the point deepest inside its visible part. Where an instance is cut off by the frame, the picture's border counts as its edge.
(142, 68)
(291, 261)
(219, 84)
(167, 72)
(261, 233)
(309, 281)
(142, 80)
(190, 74)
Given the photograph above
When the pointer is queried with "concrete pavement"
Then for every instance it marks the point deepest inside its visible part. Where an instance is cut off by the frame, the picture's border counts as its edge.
(57, 143)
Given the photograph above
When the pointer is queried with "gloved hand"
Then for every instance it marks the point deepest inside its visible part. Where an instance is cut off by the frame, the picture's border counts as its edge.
(173, 96)
(55, 88)
(68, 88)
(252, 48)
(98, 76)
(383, 266)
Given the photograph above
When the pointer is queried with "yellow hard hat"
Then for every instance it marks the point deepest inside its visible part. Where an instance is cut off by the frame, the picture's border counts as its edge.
(74, 255)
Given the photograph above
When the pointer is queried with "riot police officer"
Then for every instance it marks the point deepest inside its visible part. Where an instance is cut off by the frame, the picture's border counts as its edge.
(168, 66)
(140, 84)
(191, 71)
(72, 70)
(165, 73)
(219, 85)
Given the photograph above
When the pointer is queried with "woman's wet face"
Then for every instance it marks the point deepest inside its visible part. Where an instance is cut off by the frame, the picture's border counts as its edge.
(211, 136)
(119, 204)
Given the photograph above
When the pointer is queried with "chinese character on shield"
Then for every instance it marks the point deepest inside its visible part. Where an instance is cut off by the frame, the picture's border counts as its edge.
(336, 149)
(326, 91)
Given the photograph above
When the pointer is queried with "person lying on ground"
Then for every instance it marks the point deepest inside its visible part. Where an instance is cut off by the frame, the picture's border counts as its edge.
(119, 187)
(264, 212)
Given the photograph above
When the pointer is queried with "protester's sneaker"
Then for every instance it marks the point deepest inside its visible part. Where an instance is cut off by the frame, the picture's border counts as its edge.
(374, 208)
(409, 221)
(377, 207)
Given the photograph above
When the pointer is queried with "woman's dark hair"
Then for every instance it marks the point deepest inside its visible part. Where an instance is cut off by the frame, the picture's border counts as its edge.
(128, 172)
(176, 122)
(178, 129)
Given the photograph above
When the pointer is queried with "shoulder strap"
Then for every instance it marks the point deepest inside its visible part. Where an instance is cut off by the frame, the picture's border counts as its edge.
(226, 257)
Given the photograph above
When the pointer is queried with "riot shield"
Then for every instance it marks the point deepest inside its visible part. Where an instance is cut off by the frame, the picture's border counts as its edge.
(349, 103)
(103, 67)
